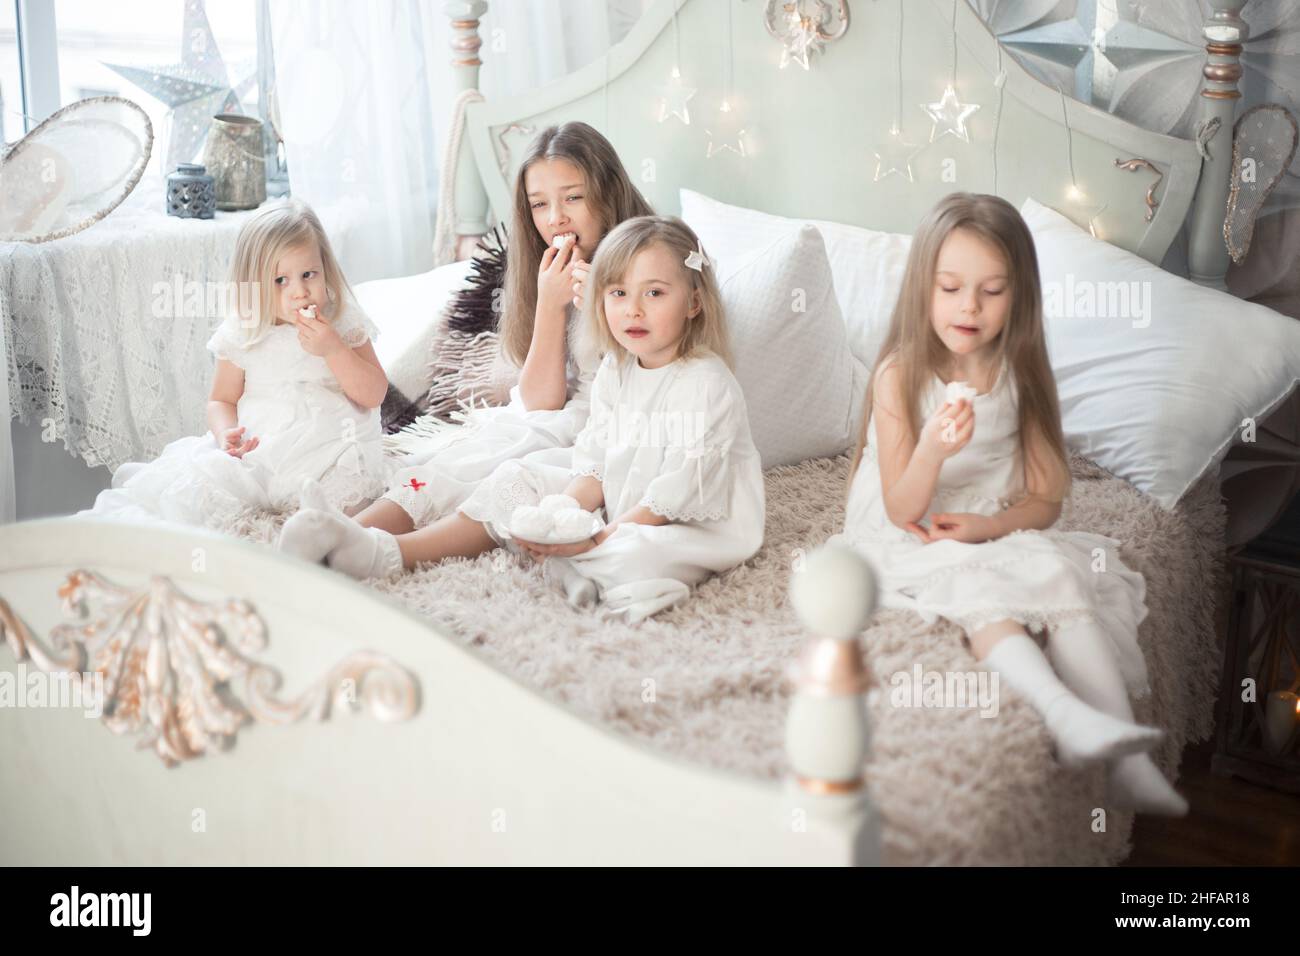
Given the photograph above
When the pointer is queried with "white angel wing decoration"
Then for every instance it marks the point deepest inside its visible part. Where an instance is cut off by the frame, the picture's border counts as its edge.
(73, 169)
(1263, 145)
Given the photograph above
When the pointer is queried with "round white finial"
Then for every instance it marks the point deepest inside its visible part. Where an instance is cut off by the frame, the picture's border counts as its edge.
(835, 592)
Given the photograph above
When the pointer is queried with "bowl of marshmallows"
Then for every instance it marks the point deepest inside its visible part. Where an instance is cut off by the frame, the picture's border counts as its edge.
(557, 519)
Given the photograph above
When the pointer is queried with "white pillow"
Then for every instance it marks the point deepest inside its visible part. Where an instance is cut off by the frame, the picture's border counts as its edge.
(1156, 409)
(867, 266)
(800, 380)
(1158, 391)
(406, 309)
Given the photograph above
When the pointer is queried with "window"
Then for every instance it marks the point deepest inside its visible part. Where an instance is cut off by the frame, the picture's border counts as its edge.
(11, 87)
(147, 34)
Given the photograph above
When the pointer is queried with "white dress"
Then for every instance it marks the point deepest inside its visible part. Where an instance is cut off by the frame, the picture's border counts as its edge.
(306, 426)
(1038, 578)
(675, 439)
(430, 485)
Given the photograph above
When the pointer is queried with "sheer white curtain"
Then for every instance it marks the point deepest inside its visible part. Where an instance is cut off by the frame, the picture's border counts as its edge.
(528, 43)
(355, 96)
(364, 92)
(8, 494)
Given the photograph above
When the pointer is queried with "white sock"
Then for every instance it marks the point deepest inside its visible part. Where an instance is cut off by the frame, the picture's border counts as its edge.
(311, 534)
(1082, 733)
(580, 591)
(1137, 784)
(312, 495)
(1082, 655)
(365, 552)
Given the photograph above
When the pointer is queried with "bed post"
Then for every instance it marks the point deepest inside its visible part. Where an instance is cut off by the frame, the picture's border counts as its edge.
(1224, 31)
(827, 732)
(471, 202)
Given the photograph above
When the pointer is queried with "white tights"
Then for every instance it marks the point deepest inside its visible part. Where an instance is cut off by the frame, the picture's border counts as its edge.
(1081, 653)
(1086, 708)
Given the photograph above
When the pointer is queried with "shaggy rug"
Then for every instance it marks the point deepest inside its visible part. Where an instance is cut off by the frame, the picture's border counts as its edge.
(706, 680)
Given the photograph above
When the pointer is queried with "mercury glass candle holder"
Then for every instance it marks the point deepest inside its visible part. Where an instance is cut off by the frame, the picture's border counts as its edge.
(234, 156)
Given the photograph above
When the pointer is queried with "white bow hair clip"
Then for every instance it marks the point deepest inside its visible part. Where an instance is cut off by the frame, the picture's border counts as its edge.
(696, 260)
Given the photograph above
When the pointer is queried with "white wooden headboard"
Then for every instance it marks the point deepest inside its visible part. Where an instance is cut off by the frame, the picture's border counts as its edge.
(811, 135)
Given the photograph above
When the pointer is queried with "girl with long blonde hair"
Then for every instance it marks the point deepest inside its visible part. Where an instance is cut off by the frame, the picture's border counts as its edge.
(959, 475)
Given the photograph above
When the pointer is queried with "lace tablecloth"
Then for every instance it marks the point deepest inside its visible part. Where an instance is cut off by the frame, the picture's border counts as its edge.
(98, 354)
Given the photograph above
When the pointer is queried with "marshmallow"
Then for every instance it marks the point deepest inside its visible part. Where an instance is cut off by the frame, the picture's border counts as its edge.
(560, 241)
(309, 312)
(553, 503)
(531, 523)
(958, 390)
(562, 524)
(571, 523)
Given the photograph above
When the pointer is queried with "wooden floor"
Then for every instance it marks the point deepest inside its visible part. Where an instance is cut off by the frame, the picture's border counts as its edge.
(1231, 822)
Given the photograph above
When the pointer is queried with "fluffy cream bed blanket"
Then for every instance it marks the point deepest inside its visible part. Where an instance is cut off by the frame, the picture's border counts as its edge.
(952, 787)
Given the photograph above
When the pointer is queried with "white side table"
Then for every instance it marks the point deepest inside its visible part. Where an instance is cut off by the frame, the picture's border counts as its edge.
(98, 360)
(97, 355)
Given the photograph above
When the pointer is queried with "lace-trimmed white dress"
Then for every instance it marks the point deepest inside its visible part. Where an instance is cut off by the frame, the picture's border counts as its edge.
(306, 426)
(1039, 578)
(674, 439)
(432, 484)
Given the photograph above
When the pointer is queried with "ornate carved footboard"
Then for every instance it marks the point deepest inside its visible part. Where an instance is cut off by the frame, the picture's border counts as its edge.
(169, 696)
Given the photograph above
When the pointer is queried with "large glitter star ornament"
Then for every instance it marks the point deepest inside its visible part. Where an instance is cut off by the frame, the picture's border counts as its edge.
(1105, 48)
(195, 89)
(950, 114)
(895, 156)
(727, 135)
(675, 97)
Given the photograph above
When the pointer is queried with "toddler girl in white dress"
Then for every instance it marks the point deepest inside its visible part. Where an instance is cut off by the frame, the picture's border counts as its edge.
(295, 395)
(962, 424)
(666, 453)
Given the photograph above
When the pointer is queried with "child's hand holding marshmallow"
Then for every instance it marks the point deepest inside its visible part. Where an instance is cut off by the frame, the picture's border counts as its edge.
(315, 335)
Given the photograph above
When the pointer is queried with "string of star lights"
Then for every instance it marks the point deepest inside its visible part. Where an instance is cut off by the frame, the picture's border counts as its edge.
(1073, 193)
(999, 81)
(730, 135)
(895, 155)
(801, 39)
(676, 94)
(949, 112)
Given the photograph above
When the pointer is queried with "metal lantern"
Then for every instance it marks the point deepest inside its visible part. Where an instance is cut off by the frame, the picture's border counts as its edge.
(190, 193)
(1259, 709)
(235, 156)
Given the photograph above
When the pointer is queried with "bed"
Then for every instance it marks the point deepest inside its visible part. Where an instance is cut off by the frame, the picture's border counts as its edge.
(465, 713)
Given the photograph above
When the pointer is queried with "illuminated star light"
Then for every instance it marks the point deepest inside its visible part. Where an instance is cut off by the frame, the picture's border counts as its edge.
(676, 96)
(725, 142)
(801, 42)
(951, 114)
(895, 155)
